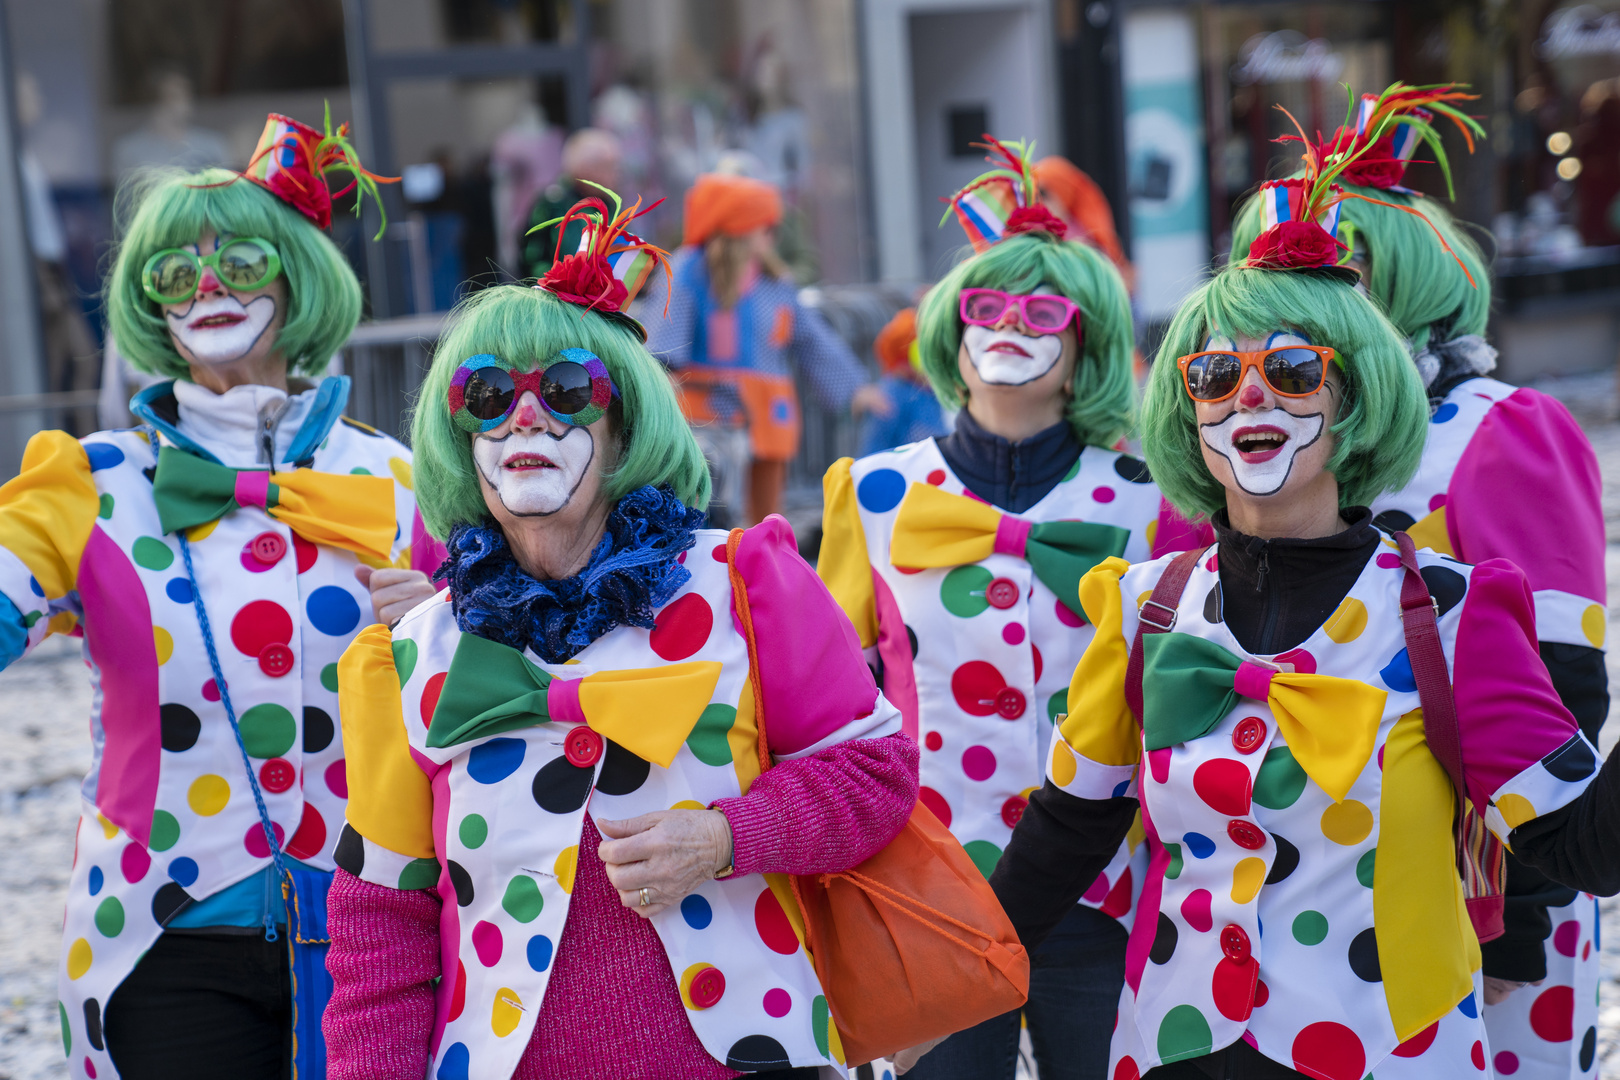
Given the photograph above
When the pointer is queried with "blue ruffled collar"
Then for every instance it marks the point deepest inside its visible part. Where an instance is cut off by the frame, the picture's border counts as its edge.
(632, 573)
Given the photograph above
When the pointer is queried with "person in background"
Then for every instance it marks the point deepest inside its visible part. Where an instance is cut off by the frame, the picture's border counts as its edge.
(917, 413)
(589, 156)
(731, 325)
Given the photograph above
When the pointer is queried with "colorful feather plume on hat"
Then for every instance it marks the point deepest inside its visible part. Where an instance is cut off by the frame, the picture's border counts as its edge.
(1390, 126)
(612, 263)
(293, 160)
(1004, 201)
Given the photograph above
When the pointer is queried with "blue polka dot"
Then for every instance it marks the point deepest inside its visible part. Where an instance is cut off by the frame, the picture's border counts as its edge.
(1467, 1007)
(97, 878)
(454, 1064)
(781, 411)
(183, 871)
(1443, 413)
(1397, 674)
(1120, 788)
(333, 610)
(1201, 846)
(102, 455)
(881, 491)
(697, 912)
(539, 952)
(33, 583)
(179, 590)
(495, 760)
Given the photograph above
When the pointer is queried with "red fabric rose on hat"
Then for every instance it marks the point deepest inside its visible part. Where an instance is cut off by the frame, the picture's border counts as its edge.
(1377, 168)
(1294, 245)
(1035, 218)
(586, 279)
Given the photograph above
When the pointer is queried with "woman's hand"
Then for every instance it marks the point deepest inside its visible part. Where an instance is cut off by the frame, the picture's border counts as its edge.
(394, 592)
(905, 1059)
(873, 399)
(1498, 990)
(668, 853)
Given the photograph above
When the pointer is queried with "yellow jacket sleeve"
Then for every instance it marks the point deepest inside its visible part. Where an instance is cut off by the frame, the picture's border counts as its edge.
(844, 564)
(48, 509)
(1100, 726)
(390, 797)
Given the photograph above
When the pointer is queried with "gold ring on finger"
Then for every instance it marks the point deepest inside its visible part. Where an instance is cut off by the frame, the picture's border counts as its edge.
(644, 898)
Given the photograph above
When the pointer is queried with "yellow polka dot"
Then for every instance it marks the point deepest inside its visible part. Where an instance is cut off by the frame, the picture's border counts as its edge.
(143, 437)
(198, 533)
(1594, 625)
(108, 829)
(1027, 792)
(835, 1042)
(507, 1012)
(686, 982)
(1515, 810)
(165, 644)
(402, 472)
(1150, 532)
(688, 804)
(208, 795)
(1143, 596)
(1347, 823)
(1348, 621)
(1135, 834)
(1063, 764)
(79, 957)
(565, 866)
(63, 622)
(1246, 878)
(571, 660)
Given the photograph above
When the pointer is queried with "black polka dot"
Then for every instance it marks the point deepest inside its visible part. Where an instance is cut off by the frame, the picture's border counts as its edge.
(1364, 957)
(1132, 470)
(92, 1023)
(1164, 941)
(1212, 604)
(318, 730)
(1394, 520)
(351, 850)
(1571, 762)
(1286, 862)
(150, 472)
(561, 788)
(168, 902)
(756, 1053)
(462, 882)
(1445, 585)
(622, 772)
(1588, 1048)
(180, 727)
(911, 636)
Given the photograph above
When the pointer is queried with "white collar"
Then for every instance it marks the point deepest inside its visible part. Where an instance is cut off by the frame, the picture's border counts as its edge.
(228, 425)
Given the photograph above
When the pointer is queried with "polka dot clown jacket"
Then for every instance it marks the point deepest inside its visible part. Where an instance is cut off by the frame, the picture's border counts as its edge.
(1302, 893)
(973, 617)
(168, 814)
(476, 764)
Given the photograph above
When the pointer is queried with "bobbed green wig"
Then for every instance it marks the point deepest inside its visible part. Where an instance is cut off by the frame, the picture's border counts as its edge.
(525, 326)
(1419, 285)
(167, 209)
(1100, 410)
(1383, 416)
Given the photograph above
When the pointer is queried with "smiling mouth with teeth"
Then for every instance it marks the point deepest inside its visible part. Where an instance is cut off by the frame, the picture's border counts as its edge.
(525, 462)
(1257, 444)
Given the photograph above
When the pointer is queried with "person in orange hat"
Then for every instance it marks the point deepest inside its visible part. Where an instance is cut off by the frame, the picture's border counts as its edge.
(917, 413)
(1081, 205)
(733, 321)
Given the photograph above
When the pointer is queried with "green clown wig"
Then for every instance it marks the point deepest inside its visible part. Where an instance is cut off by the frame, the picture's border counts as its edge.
(1383, 416)
(171, 210)
(525, 326)
(1100, 410)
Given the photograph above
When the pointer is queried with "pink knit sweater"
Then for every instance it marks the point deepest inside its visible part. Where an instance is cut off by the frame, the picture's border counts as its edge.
(612, 1007)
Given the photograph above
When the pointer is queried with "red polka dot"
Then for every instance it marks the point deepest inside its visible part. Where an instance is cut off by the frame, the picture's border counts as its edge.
(1507, 1063)
(1127, 1068)
(307, 552)
(1225, 785)
(1418, 1043)
(1098, 892)
(254, 840)
(1232, 987)
(1068, 617)
(778, 1002)
(134, 862)
(718, 554)
(1013, 634)
(933, 740)
(978, 763)
(1566, 937)
(1553, 1013)
(430, 697)
(310, 836)
(458, 994)
(1586, 950)
(1477, 1055)
(1330, 1051)
(1104, 494)
(1159, 764)
(936, 804)
(1195, 909)
(1118, 900)
(682, 627)
(974, 685)
(210, 691)
(260, 623)
(1262, 993)
(1303, 662)
(1388, 560)
(909, 569)
(487, 943)
(1437, 501)
(773, 926)
(337, 779)
(1039, 663)
(937, 477)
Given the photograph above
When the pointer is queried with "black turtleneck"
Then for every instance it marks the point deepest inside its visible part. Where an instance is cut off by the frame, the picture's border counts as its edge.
(1011, 475)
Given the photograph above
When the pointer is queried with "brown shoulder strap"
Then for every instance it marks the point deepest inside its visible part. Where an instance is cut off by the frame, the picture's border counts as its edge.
(739, 604)
(1418, 623)
(1157, 615)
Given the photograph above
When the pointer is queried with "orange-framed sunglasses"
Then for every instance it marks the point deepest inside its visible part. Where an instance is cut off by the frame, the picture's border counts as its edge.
(1290, 371)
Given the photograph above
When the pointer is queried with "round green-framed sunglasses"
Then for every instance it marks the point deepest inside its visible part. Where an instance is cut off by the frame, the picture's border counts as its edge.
(245, 263)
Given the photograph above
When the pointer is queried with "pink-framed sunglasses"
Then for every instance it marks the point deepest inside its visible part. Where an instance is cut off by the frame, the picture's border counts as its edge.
(1041, 312)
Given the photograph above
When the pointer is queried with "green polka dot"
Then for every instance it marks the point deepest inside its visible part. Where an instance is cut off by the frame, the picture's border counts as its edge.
(1056, 705)
(818, 1023)
(1310, 927)
(1365, 865)
(522, 900)
(1074, 471)
(1184, 1033)
(1280, 781)
(268, 730)
(708, 740)
(404, 659)
(1173, 870)
(962, 591)
(106, 507)
(67, 1032)
(110, 917)
(474, 831)
(984, 854)
(360, 470)
(329, 677)
(32, 617)
(165, 831)
(152, 553)
(419, 874)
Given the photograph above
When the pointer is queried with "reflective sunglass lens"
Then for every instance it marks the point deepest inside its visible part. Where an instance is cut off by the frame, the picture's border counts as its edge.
(1294, 371)
(1047, 313)
(1213, 376)
(487, 394)
(565, 387)
(244, 264)
(174, 275)
(984, 307)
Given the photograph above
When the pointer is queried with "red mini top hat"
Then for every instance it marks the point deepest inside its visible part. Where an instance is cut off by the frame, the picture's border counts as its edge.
(612, 263)
(1004, 201)
(293, 159)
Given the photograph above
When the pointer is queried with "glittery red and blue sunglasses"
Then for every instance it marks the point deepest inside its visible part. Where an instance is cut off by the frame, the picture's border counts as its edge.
(574, 386)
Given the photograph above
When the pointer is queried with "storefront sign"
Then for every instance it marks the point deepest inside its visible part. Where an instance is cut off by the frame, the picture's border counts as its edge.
(1286, 56)
(1583, 30)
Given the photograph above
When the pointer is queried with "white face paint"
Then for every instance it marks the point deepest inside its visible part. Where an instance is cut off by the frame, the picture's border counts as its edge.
(221, 328)
(1261, 446)
(1008, 358)
(535, 473)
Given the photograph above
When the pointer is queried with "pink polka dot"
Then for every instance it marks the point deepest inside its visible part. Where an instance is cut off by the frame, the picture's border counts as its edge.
(681, 558)
(1159, 764)
(1437, 501)
(310, 837)
(487, 943)
(682, 627)
(1388, 560)
(1418, 1043)
(933, 740)
(1211, 564)
(1330, 1051)
(1067, 617)
(718, 554)
(1507, 1063)
(937, 477)
(1039, 664)
(1566, 937)
(1380, 759)
(210, 691)
(254, 840)
(260, 623)
(1304, 663)
(249, 563)
(1552, 1015)
(975, 498)
(337, 779)
(772, 924)
(134, 862)
(1195, 909)
(1477, 1055)
(936, 804)
(1013, 634)
(978, 762)
(1104, 494)
(975, 685)
(777, 1002)
(89, 1068)
(1225, 785)
(1098, 890)
(430, 697)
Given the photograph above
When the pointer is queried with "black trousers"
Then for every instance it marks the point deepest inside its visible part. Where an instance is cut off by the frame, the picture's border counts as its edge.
(201, 1006)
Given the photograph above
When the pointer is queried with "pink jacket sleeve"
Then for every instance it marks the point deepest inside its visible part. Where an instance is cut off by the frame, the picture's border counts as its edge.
(1175, 533)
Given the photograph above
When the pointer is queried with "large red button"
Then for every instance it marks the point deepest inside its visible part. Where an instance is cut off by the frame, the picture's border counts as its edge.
(1010, 702)
(1235, 943)
(1012, 811)
(277, 775)
(708, 987)
(275, 659)
(267, 548)
(1249, 735)
(1246, 834)
(582, 747)
(1002, 593)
